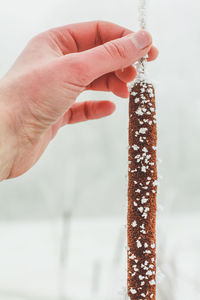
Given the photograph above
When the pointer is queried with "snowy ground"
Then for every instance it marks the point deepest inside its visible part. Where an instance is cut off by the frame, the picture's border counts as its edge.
(93, 264)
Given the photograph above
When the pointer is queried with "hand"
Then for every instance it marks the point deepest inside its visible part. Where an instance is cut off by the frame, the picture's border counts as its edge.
(38, 94)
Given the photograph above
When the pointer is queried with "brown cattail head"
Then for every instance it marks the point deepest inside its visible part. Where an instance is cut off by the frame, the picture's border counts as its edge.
(142, 192)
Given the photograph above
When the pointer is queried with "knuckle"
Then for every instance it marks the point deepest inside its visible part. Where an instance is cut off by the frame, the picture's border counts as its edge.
(115, 49)
(37, 38)
(101, 22)
(42, 37)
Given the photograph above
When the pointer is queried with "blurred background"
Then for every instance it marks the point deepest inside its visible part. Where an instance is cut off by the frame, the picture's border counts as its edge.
(62, 224)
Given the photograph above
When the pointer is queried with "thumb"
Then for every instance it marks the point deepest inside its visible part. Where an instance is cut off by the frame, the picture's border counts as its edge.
(116, 54)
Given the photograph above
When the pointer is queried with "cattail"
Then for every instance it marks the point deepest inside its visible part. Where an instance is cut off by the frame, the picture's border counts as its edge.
(142, 191)
(142, 183)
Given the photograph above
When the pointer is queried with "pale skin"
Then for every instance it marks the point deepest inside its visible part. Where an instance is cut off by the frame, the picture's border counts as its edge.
(38, 94)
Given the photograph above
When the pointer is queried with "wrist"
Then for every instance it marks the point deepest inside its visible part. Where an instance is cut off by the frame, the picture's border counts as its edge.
(8, 140)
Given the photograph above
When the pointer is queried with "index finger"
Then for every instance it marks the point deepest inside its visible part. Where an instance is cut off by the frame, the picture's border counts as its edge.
(86, 35)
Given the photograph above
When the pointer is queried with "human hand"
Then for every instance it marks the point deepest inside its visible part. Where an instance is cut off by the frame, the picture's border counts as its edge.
(38, 94)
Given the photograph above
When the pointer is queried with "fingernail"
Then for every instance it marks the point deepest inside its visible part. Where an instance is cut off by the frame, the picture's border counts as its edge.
(141, 39)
